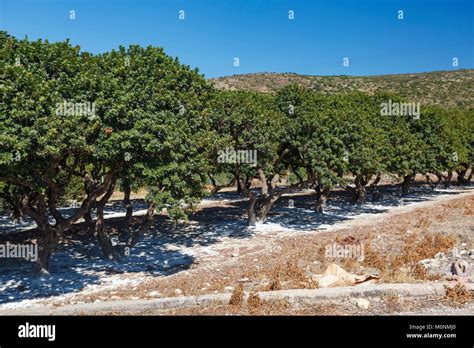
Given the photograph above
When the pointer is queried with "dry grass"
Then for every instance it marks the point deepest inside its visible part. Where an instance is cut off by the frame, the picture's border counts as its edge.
(392, 303)
(458, 295)
(254, 303)
(237, 297)
(424, 86)
(404, 266)
(305, 254)
(469, 210)
(291, 275)
(275, 281)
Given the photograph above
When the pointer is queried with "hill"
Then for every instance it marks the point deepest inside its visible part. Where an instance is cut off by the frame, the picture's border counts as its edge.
(445, 88)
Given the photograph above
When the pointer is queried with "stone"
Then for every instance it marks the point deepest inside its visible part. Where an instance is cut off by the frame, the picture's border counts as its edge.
(440, 256)
(426, 262)
(228, 288)
(178, 291)
(363, 303)
(431, 263)
(454, 252)
(325, 281)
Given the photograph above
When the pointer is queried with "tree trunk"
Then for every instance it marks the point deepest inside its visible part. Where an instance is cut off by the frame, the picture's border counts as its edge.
(125, 227)
(240, 188)
(263, 182)
(447, 182)
(101, 234)
(215, 187)
(88, 217)
(265, 205)
(34, 205)
(430, 182)
(150, 214)
(251, 209)
(102, 237)
(47, 244)
(440, 180)
(258, 209)
(245, 189)
(274, 181)
(322, 194)
(406, 184)
(50, 235)
(375, 192)
(90, 225)
(88, 214)
(462, 180)
(360, 191)
(149, 221)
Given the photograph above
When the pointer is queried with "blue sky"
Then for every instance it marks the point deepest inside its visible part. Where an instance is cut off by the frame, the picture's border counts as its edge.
(260, 34)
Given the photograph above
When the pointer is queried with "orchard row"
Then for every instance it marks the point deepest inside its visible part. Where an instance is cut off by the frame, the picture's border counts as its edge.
(77, 125)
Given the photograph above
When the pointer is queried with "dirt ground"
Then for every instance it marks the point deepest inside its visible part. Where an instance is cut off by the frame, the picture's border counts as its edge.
(395, 242)
(295, 259)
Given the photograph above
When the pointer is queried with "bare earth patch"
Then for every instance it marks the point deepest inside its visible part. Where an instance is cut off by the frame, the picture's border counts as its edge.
(395, 242)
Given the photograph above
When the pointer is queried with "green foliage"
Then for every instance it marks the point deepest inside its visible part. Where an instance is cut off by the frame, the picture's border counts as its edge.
(247, 121)
(158, 124)
(37, 144)
(313, 142)
(156, 109)
(149, 126)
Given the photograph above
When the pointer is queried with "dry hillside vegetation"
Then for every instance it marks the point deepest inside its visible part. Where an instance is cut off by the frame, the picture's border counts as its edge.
(444, 88)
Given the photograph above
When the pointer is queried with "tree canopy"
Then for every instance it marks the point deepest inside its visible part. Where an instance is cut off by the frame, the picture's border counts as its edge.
(74, 124)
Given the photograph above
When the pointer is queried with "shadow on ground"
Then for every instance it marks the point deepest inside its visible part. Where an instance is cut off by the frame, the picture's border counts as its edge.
(168, 248)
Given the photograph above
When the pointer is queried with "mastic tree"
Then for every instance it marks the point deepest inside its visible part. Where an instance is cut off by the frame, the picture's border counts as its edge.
(441, 141)
(312, 140)
(148, 125)
(365, 142)
(40, 147)
(250, 121)
(155, 111)
(403, 151)
(463, 122)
